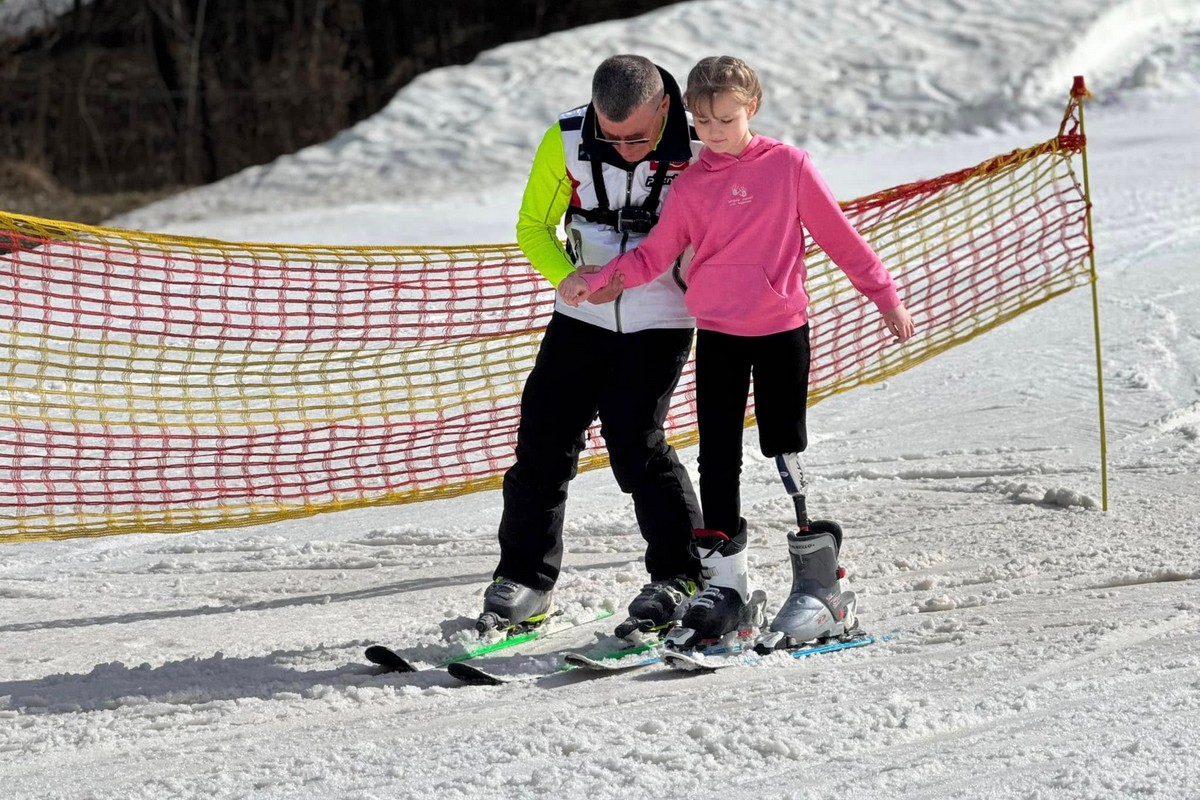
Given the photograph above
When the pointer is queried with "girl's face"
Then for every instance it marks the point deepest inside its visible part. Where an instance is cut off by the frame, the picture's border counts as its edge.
(724, 124)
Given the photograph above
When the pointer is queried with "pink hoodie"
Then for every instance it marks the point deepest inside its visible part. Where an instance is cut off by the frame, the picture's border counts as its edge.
(746, 218)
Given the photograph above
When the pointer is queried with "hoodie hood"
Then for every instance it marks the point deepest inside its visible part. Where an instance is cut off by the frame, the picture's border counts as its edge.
(759, 146)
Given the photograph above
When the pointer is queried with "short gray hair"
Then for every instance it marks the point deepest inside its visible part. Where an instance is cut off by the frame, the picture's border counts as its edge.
(622, 84)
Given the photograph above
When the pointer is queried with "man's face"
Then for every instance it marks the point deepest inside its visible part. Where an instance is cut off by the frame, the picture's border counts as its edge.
(634, 137)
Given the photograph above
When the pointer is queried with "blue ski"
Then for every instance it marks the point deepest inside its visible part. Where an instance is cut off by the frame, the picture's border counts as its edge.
(704, 661)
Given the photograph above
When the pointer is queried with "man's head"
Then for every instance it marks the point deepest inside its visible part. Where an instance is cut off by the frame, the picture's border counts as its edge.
(631, 105)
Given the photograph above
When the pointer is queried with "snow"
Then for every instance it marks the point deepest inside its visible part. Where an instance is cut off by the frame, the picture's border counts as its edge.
(1043, 648)
(18, 17)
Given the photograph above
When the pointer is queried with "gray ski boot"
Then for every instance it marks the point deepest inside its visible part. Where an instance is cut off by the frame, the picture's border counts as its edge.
(725, 605)
(508, 604)
(817, 608)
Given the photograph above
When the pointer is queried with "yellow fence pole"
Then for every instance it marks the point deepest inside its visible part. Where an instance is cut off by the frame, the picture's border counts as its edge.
(1079, 92)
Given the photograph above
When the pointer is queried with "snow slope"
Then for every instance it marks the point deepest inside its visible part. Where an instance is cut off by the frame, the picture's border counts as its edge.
(1044, 648)
(18, 17)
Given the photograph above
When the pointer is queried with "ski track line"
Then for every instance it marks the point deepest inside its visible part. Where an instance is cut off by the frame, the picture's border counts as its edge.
(967, 768)
(1045, 722)
(1052, 718)
(388, 718)
(1113, 642)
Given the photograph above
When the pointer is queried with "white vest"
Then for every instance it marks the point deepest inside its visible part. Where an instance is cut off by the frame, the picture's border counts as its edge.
(658, 304)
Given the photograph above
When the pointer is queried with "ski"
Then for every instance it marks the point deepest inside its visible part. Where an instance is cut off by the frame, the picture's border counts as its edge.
(619, 660)
(391, 661)
(703, 661)
(622, 660)
(473, 675)
(615, 661)
(612, 661)
(648, 642)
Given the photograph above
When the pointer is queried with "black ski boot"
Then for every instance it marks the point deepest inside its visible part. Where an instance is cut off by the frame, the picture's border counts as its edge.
(657, 605)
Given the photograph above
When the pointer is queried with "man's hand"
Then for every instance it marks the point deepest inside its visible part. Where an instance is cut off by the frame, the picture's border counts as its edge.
(900, 323)
(610, 291)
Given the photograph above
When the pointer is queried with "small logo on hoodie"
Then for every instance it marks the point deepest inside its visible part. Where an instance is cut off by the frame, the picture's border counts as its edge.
(740, 196)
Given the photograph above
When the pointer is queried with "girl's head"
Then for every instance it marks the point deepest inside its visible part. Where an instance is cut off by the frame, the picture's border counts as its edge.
(723, 94)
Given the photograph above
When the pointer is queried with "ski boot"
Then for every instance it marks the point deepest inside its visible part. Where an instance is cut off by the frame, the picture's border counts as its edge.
(659, 604)
(508, 605)
(817, 608)
(725, 605)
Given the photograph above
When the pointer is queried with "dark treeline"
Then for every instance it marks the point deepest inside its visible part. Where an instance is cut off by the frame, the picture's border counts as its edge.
(137, 94)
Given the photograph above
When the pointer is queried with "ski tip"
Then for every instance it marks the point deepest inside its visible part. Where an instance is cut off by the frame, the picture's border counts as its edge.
(616, 661)
(468, 673)
(688, 663)
(578, 660)
(389, 659)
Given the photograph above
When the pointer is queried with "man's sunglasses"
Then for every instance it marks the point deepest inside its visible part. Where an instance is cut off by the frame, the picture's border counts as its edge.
(599, 135)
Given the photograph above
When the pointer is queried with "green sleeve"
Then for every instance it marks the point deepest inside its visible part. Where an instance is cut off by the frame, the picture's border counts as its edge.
(546, 200)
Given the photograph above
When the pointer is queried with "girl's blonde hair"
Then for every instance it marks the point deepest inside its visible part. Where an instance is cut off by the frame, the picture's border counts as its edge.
(716, 74)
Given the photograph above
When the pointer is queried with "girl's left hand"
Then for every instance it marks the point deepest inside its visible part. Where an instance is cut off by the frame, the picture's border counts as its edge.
(900, 323)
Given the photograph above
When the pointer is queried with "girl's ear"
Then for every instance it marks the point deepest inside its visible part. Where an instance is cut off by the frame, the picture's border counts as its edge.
(752, 107)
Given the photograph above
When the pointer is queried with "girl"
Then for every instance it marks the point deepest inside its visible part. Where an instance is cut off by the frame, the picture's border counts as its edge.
(745, 209)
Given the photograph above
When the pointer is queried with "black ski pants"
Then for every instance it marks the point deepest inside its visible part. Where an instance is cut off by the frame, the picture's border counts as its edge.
(779, 363)
(627, 378)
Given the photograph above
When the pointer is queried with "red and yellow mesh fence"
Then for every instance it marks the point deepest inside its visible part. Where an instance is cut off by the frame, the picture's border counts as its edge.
(153, 383)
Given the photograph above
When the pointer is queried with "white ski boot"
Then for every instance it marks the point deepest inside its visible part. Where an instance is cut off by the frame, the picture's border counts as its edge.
(726, 604)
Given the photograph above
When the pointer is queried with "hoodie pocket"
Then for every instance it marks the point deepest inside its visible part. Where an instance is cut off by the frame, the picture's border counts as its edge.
(734, 292)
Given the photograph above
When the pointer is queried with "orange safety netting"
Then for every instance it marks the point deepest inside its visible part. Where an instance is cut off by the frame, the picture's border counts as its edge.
(153, 383)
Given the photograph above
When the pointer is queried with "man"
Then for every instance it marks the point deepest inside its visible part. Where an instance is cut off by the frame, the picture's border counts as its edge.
(605, 169)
